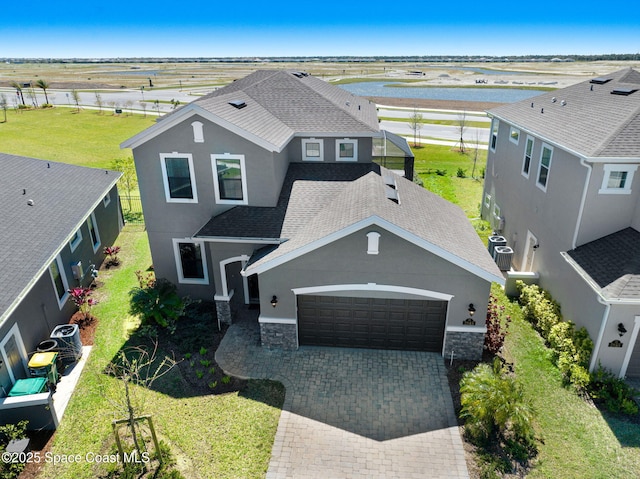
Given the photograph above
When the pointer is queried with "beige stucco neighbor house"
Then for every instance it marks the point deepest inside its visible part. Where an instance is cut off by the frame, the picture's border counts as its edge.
(561, 187)
(280, 191)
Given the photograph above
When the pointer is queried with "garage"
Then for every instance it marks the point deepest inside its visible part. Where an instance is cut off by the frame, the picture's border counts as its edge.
(375, 323)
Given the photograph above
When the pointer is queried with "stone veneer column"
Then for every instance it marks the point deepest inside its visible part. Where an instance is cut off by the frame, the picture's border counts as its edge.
(223, 311)
(466, 342)
(277, 335)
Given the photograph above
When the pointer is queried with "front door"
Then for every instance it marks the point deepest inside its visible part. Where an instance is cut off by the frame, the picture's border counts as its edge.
(12, 367)
(252, 287)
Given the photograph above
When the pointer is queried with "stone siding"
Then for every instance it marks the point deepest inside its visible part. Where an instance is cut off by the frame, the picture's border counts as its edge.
(223, 311)
(464, 345)
(281, 336)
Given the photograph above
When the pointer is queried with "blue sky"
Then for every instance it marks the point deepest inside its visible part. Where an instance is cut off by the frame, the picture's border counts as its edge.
(331, 27)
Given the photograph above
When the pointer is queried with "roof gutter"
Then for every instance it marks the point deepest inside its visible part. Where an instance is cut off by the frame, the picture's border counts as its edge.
(603, 323)
(583, 200)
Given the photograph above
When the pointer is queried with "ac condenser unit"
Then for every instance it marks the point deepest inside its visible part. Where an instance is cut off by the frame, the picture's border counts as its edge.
(494, 241)
(502, 256)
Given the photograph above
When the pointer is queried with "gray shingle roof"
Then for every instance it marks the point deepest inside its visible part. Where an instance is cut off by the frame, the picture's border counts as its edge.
(63, 197)
(593, 122)
(612, 263)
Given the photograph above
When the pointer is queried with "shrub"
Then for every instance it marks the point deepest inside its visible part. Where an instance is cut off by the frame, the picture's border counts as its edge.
(112, 255)
(159, 304)
(10, 432)
(494, 337)
(494, 407)
(81, 297)
(440, 172)
(615, 394)
(461, 173)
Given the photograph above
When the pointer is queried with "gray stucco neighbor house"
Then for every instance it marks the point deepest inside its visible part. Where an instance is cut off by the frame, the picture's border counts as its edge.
(562, 189)
(280, 190)
(53, 216)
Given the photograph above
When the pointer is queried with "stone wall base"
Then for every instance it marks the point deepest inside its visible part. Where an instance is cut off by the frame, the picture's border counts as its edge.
(281, 336)
(223, 311)
(464, 345)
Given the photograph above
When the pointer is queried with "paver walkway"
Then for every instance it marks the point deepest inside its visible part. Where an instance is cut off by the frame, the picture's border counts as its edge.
(353, 413)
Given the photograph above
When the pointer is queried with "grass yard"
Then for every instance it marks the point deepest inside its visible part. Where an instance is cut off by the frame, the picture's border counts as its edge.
(576, 440)
(61, 134)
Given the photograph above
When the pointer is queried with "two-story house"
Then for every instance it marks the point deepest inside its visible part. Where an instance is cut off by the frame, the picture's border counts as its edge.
(561, 187)
(270, 191)
(56, 219)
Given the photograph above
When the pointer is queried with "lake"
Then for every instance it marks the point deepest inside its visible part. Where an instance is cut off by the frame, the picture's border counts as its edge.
(498, 95)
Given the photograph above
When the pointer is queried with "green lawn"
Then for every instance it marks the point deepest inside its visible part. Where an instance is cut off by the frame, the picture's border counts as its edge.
(576, 439)
(61, 134)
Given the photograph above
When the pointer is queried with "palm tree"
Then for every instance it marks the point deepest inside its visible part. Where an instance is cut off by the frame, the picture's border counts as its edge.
(16, 85)
(44, 85)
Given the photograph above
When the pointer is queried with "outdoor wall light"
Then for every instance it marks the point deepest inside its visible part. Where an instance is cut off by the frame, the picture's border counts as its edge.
(274, 301)
(471, 309)
(621, 329)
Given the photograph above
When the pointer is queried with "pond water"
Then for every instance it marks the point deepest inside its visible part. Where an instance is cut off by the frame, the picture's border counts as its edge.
(498, 95)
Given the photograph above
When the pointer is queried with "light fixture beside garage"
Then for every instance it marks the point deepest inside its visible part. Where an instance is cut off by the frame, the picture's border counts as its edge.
(274, 301)
(470, 321)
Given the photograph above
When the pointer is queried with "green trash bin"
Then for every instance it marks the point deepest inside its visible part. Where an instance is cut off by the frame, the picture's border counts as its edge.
(25, 387)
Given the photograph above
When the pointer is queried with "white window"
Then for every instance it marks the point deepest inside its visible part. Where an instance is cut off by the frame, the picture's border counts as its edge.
(373, 243)
(75, 241)
(230, 179)
(494, 133)
(496, 211)
(198, 133)
(107, 199)
(545, 165)
(526, 162)
(191, 261)
(487, 200)
(178, 178)
(94, 234)
(59, 279)
(312, 150)
(617, 179)
(514, 135)
(347, 150)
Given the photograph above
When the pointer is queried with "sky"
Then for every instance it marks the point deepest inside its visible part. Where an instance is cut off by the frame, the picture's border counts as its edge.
(90, 29)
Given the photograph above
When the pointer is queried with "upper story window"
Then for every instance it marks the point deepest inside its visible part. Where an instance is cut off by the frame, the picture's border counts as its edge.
(544, 167)
(347, 150)
(230, 181)
(312, 150)
(526, 162)
(59, 279)
(494, 134)
(191, 262)
(198, 132)
(106, 200)
(178, 178)
(75, 241)
(514, 135)
(487, 200)
(93, 232)
(617, 179)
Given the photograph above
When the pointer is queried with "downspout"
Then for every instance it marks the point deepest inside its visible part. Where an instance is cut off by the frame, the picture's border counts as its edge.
(587, 180)
(596, 348)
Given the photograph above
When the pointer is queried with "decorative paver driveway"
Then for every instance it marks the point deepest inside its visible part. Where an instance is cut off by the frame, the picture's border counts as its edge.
(353, 413)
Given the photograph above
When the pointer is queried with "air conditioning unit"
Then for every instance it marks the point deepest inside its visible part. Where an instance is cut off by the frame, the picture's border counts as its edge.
(502, 256)
(69, 342)
(494, 241)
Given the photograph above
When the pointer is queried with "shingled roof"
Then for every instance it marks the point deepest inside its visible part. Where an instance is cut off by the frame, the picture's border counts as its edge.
(612, 264)
(271, 106)
(43, 204)
(598, 118)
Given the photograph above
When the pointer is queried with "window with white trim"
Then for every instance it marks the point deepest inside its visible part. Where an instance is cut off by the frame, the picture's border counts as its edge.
(496, 211)
(76, 240)
(617, 179)
(94, 234)
(494, 133)
(514, 135)
(526, 162)
(178, 177)
(191, 262)
(230, 179)
(107, 199)
(312, 150)
(347, 150)
(59, 280)
(544, 167)
(198, 132)
(487, 200)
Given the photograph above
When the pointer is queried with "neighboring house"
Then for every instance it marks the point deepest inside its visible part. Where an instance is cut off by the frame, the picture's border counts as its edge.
(270, 191)
(53, 216)
(562, 188)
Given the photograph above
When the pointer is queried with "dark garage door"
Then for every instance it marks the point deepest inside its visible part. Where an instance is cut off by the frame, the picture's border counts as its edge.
(371, 323)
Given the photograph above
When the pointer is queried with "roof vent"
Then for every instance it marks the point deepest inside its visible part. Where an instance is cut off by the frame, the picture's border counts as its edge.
(624, 91)
(300, 74)
(554, 99)
(600, 80)
(239, 104)
(563, 102)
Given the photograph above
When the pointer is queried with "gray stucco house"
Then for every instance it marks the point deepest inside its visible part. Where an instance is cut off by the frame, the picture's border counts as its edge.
(56, 219)
(561, 187)
(273, 191)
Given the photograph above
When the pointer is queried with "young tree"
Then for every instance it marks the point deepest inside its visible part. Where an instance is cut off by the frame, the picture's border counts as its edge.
(129, 180)
(44, 85)
(462, 125)
(3, 105)
(32, 96)
(99, 101)
(76, 99)
(143, 104)
(415, 123)
(18, 88)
